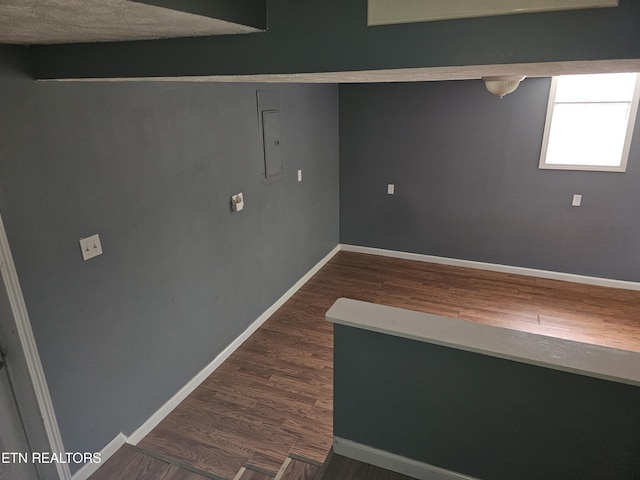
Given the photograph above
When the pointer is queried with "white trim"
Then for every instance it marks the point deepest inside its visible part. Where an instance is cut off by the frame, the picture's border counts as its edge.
(633, 115)
(173, 402)
(395, 463)
(626, 148)
(30, 349)
(495, 267)
(112, 447)
(551, 102)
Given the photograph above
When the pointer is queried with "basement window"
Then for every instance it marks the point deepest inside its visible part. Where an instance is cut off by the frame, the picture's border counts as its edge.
(590, 120)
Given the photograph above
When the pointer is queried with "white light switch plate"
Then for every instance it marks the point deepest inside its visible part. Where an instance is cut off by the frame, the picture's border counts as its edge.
(391, 189)
(299, 175)
(90, 247)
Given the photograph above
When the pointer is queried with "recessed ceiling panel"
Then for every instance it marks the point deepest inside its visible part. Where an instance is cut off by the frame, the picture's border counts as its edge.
(383, 12)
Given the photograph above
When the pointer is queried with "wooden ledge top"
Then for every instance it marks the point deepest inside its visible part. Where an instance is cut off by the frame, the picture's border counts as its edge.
(575, 357)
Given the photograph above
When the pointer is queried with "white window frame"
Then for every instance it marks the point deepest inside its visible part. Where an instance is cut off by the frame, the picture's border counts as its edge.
(633, 113)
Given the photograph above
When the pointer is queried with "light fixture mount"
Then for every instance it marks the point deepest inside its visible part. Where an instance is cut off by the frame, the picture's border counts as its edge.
(502, 85)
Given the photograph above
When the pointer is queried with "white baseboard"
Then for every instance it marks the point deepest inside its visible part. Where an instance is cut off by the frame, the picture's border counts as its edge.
(112, 447)
(173, 402)
(494, 267)
(395, 463)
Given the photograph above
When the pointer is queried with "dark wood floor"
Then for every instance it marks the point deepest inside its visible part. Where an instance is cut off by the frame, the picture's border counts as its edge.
(129, 463)
(273, 396)
(249, 474)
(343, 468)
(297, 469)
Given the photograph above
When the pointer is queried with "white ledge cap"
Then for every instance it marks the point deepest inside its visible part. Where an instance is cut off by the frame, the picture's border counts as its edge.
(566, 355)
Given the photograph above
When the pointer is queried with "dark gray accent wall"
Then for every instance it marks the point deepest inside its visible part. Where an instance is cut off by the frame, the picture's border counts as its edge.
(465, 167)
(151, 168)
(482, 416)
(332, 35)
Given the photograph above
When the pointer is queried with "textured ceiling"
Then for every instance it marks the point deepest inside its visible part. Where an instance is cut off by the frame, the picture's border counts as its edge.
(74, 21)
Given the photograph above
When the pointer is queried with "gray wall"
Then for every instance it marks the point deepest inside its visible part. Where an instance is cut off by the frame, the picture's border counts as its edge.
(465, 167)
(332, 35)
(482, 416)
(151, 167)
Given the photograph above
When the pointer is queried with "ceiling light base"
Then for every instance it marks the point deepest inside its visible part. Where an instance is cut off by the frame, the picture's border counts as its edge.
(502, 85)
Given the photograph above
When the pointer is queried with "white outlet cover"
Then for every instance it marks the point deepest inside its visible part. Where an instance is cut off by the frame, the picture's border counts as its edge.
(299, 175)
(237, 202)
(391, 189)
(576, 201)
(90, 247)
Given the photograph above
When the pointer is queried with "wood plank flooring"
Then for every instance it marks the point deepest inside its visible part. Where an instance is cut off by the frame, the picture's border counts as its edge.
(273, 397)
(584, 313)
